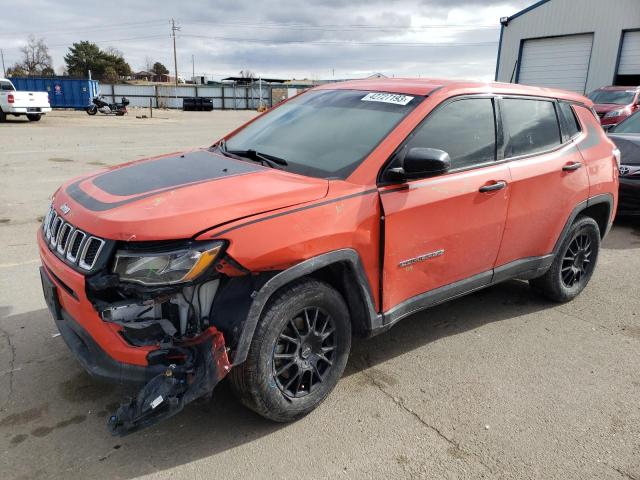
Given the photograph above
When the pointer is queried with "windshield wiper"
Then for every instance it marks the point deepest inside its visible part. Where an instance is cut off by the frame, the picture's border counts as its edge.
(250, 154)
(264, 158)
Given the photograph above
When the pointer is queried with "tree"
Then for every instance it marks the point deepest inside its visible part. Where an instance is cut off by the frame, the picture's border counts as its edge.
(35, 59)
(84, 56)
(159, 69)
(16, 71)
(110, 75)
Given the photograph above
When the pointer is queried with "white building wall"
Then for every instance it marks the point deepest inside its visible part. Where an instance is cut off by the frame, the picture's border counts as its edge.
(605, 18)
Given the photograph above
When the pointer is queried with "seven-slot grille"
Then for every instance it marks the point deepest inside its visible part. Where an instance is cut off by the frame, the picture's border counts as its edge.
(70, 243)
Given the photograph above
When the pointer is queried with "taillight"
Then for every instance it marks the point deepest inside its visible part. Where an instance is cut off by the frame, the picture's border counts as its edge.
(11, 98)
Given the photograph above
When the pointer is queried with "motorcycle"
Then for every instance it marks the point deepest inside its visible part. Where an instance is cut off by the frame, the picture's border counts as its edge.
(106, 108)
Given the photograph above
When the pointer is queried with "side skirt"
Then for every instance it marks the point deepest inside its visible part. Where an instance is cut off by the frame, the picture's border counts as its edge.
(525, 268)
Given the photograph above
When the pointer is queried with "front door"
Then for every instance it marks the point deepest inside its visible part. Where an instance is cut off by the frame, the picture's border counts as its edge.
(445, 232)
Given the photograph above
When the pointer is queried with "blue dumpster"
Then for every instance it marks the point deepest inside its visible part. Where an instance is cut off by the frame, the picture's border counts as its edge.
(63, 92)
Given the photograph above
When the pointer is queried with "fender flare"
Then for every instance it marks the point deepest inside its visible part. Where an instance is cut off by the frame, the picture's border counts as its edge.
(581, 207)
(302, 269)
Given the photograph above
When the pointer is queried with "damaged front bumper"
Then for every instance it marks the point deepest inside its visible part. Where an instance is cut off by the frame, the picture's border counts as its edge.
(177, 373)
(203, 363)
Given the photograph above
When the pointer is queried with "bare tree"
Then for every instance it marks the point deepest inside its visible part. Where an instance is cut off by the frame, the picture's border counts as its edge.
(35, 57)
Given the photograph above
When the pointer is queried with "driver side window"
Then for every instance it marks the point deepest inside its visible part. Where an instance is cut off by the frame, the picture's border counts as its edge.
(465, 129)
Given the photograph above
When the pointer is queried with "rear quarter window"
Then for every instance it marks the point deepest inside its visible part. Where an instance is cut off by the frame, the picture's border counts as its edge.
(531, 126)
(572, 125)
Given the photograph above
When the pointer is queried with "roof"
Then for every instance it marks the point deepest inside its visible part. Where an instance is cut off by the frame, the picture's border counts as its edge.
(528, 9)
(620, 87)
(427, 86)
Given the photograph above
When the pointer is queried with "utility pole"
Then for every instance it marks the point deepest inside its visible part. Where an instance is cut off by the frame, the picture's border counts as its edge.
(174, 29)
(4, 72)
(193, 67)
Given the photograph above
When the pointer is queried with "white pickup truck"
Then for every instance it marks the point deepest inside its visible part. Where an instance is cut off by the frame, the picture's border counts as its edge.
(31, 104)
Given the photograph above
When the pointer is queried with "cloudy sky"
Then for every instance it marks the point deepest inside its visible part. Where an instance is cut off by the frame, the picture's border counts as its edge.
(292, 39)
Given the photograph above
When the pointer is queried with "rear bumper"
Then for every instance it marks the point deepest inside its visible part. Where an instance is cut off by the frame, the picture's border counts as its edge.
(25, 110)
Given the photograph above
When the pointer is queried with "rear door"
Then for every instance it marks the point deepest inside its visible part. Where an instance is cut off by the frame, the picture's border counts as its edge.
(443, 231)
(548, 176)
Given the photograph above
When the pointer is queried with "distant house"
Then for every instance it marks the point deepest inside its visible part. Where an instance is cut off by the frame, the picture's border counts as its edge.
(146, 76)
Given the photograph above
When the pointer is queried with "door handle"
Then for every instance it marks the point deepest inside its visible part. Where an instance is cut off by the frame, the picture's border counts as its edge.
(493, 187)
(570, 167)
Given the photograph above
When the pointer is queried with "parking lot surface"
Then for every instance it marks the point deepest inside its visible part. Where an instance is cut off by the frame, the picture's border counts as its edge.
(499, 384)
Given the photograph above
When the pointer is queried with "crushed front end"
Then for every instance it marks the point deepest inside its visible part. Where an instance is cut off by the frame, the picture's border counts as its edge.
(143, 313)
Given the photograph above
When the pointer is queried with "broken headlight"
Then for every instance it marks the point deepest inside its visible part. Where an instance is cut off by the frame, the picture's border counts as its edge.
(165, 267)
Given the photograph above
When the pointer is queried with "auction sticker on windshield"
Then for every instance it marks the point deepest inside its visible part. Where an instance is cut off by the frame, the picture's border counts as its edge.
(387, 98)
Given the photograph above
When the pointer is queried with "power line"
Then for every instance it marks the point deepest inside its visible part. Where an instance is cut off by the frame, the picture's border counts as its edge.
(83, 29)
(146, 37)
(341, 26)
(345, 42)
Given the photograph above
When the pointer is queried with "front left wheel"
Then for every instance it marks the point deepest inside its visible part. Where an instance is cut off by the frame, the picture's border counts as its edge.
(298, 352)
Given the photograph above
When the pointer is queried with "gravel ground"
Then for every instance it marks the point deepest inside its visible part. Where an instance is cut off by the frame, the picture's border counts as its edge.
(500, 384)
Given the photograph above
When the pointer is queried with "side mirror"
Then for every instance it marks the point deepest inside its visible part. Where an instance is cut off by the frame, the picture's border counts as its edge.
(421, 163)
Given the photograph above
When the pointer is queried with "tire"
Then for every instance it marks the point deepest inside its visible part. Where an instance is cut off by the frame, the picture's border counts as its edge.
(34, 117)
(3, 116)
(263, 382)
(574, 264)
(92, 110)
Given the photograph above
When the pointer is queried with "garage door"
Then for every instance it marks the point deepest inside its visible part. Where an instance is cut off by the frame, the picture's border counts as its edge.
(630, 54)
(558, 62)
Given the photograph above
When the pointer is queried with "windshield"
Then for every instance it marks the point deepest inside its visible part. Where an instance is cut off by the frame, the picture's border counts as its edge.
(616, 97)
(5, 85)
(325, 133)
(630, 125)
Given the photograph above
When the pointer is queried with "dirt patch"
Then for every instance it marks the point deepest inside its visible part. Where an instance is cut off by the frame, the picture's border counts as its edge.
(82, 388)
(23, 417)
(18, 439)
(44, 431)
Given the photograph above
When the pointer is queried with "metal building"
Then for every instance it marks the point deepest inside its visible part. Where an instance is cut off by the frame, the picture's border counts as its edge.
(576, 45)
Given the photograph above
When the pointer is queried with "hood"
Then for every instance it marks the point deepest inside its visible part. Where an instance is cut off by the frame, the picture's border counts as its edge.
(607, 107)
(629, 146)
(178, 195)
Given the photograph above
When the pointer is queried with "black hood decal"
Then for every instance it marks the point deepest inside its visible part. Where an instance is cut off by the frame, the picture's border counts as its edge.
(151, 177)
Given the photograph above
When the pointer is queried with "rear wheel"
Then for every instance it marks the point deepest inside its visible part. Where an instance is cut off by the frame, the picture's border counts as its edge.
(574, 264)
(298, 352)
(34, 117)
(92, 110)
(3, 116)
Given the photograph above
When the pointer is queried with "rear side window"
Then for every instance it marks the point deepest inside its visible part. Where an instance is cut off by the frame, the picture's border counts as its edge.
(532, 126)
(571, 122)
(465, 129)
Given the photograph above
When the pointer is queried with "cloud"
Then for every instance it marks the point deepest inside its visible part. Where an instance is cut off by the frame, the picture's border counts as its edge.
(312, 39)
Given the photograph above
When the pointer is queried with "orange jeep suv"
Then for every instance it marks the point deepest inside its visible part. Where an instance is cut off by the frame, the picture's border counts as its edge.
(337, 213)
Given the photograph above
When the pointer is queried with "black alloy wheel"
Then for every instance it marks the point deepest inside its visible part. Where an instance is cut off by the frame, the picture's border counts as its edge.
(298, 352)
(304, 352)
(573, 264)
(577, 260)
